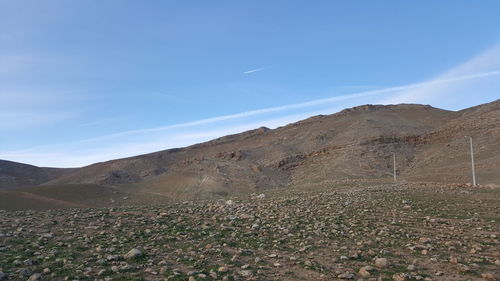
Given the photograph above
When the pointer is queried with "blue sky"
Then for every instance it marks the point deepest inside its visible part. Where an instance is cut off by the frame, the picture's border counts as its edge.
(88, 81)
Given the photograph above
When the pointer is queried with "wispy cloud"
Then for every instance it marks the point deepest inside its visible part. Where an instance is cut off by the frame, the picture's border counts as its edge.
(485, 67)
(298, 105)
(256, 70)
(358, 87)
(22, 120)
(27, 109)
(486, 64)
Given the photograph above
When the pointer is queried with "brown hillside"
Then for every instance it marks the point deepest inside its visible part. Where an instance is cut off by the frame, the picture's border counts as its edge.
(356, 143)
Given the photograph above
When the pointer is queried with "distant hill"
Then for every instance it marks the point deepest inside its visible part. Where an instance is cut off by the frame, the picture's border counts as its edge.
(13, 174)
(356, 143)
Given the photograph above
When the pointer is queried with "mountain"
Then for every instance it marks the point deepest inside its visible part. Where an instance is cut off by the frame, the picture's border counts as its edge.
(13, 174)
(354, 144)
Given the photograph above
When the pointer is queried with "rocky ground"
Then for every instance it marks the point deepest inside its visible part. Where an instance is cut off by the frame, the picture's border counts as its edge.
(396, 232)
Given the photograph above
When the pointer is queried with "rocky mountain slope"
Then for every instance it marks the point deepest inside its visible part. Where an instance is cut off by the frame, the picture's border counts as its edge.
(356, 143)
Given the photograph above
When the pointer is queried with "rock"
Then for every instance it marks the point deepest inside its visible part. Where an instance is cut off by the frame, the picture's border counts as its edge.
(222, 269)
(346, 276)
(112, 257)
(245, 273)
(229, 202)
(134, 253)
(3, 276)
(365, 271)
(453, 260)
(488, 276)
(35, 277)
(401, 277)
(25, 272)
(411, 267)
(261, 196)
(381, 262)
(46, 270)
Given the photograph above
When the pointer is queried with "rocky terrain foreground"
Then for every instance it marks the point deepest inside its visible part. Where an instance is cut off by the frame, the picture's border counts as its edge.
(407, 231)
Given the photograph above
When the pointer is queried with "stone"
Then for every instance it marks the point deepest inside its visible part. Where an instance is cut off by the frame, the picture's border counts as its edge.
(245, 273)
(134, 253)
(488, 276)
(381, 262)
(401, 277)
(261, 196)
(35, 277)
(222, 269)
(365, 271)
(411, 267)
(348, 276)
(3, 276)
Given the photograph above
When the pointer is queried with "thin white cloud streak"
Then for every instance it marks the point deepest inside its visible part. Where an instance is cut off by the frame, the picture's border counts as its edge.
(178, 139)
(295, 106)
(484, 65)
(28, 109)
(358, 87)
(22, 120)
(56, 156)
(256, 70)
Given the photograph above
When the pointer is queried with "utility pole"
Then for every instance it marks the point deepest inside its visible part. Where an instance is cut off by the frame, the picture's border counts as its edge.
(394, 164)
(472, 162)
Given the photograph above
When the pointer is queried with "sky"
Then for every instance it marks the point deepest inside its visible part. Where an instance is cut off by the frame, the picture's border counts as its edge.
(89, 81)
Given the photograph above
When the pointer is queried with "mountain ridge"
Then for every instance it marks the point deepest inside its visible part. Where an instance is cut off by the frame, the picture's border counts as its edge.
(355, 143)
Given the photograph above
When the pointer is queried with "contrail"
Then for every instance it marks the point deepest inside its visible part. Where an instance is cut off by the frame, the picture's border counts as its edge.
(256, 70)
(298, 105)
